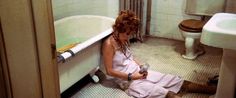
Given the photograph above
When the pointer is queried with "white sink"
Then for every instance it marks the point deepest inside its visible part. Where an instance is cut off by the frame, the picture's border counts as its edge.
(220, 31)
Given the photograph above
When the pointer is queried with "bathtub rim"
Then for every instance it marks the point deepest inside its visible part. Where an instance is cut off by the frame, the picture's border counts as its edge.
(79, 16)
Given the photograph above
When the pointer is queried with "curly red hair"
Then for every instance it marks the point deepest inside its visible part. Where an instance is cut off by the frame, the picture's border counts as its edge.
(126, 21)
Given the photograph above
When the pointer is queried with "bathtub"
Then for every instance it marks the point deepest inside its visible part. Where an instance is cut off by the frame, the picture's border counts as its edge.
(82, 59)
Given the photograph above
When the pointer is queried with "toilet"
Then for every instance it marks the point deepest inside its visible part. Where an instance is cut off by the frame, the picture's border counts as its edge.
(191, 29)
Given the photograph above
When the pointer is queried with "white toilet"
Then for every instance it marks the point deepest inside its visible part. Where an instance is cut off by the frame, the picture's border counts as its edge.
(191, 28)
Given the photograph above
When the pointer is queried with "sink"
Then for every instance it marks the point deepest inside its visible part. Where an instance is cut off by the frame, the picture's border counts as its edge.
(220, 31)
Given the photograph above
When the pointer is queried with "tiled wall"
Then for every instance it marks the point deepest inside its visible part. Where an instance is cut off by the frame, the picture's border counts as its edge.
(166, 15)
(64, 8)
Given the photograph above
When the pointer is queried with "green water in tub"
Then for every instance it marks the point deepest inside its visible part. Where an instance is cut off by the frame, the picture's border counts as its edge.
(73, 32)
(65, 41)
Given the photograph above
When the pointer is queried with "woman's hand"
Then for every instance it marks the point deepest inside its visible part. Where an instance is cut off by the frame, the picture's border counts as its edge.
(137, 75)
(145, 74)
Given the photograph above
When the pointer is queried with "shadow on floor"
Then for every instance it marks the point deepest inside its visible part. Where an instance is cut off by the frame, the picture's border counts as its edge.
(76, 87)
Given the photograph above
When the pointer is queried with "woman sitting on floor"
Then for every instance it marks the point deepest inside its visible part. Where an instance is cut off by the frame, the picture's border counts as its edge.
(120, 65)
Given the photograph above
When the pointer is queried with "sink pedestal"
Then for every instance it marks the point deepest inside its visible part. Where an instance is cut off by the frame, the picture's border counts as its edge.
(220, 31)
(226, 84)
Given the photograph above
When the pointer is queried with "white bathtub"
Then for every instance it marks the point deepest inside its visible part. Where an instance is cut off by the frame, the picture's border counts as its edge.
(88, 31)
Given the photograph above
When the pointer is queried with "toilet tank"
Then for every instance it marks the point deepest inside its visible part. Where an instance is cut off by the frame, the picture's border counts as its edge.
(204, 7)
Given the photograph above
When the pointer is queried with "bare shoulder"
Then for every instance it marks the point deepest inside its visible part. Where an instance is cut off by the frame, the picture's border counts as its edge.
(109, 41)
(107, 46)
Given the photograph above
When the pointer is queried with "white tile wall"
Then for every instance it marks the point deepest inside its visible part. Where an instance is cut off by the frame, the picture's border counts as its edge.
(166, 15)
(64, 8)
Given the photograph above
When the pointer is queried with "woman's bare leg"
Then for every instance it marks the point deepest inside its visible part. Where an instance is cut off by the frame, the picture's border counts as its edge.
(198, 88)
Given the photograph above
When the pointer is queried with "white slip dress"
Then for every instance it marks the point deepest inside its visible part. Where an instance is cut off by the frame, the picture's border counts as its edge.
(156, 85)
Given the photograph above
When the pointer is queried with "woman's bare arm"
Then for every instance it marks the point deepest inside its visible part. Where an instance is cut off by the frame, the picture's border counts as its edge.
(108, 53)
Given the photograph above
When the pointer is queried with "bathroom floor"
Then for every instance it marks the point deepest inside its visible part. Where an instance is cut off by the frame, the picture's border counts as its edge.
(163, 55)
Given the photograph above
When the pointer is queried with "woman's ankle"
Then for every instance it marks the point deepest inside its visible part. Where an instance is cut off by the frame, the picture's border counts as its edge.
(172, 95)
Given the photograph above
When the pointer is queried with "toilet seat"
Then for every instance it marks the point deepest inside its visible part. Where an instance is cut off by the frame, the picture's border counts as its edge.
(192, 25)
